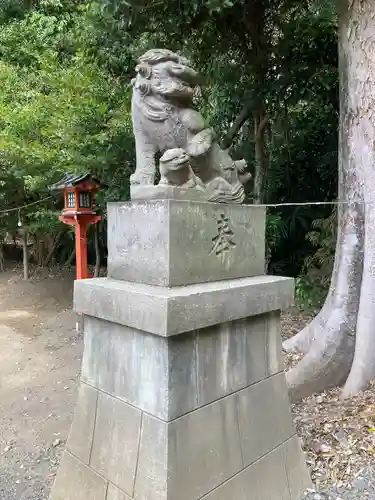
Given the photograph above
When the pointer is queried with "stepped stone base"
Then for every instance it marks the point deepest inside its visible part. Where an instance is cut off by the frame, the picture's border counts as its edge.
(183, 395)
(186, 416)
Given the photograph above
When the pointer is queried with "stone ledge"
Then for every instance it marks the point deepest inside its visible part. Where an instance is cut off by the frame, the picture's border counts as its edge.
(171, 311)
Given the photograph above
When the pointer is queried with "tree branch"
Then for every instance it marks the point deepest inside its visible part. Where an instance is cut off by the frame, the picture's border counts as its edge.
(236, 127)
(261, 127)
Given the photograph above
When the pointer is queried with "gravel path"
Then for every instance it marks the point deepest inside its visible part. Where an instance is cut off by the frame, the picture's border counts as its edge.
(363, 488)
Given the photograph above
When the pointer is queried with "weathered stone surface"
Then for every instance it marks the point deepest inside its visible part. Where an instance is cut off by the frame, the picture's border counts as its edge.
(114, 361)
(82, 430)
(116, 441)
(265, 479)
(152, 472)
(170, 311)
(162, 192)
(175, 243)
(233, 489)
(76, 481)
(182, 375)
(117, 357)
(298, 476)
(264, 416)
(161, 474)
(221, 359)
(183, 372)
(203, 450)
(274, 352)
(175, 170)
(129, 304)
(115, 494)
(231, 356)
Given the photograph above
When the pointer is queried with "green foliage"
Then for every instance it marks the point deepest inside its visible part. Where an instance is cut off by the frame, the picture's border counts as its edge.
(323, 239)
(308, 293)
(313, 283)
(65, 68)
(274, 230)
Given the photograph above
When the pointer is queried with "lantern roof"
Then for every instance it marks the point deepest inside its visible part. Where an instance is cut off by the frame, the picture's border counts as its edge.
(70, 180)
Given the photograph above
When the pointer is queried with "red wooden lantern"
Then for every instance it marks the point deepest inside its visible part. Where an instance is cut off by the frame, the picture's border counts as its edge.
(79, 212)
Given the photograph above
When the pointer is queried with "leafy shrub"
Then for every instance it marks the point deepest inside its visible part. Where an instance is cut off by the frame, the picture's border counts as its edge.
(313, 283)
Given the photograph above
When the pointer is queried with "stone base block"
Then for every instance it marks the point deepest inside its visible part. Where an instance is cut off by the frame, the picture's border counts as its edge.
(77, 481)
(181, 373)
(270, 478)
(174, 242)
(237, 447)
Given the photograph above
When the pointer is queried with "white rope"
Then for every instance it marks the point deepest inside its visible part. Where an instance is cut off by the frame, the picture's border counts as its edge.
(260, 205)
(312, 203)
(6, 211)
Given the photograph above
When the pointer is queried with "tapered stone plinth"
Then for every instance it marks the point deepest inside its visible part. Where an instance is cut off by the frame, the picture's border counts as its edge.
(183, 395)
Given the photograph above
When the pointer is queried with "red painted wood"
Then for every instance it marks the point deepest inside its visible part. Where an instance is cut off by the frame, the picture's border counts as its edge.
(80, 223)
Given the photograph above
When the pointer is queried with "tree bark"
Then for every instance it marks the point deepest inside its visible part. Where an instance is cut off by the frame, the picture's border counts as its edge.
(358, 44)
(25, 254)
(2, 258)
(236, 127)
(55, 242)
(71, 257)
(339, 344)
(260, 122)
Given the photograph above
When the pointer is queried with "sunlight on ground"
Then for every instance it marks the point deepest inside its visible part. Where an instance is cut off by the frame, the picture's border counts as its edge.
(14, 314)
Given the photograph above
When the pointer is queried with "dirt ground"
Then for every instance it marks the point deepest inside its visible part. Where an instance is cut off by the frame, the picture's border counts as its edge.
(40, 357)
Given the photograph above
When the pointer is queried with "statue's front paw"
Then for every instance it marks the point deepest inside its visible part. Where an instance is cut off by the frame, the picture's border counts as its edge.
(201, 143)
(163, 181)
(245, 177)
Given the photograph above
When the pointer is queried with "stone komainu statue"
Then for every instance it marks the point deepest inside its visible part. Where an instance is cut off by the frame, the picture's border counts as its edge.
(164, 119)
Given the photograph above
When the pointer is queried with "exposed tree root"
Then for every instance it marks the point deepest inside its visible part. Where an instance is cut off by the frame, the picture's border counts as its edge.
(331, 336)
(302, 341)
(327, 363)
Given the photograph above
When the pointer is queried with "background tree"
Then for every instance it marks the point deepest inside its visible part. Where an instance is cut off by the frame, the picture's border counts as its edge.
(59, 112)
(339, 344)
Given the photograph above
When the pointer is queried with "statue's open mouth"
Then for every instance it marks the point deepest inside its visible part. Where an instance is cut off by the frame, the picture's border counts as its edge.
(179, 162)
(183, 160)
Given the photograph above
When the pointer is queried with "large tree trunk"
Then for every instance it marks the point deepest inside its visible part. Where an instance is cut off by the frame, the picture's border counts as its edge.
(359, 46)
(25, 253)
(2, 257)
(71, 257)
(339, 344)
(260, 122)
(55, 241)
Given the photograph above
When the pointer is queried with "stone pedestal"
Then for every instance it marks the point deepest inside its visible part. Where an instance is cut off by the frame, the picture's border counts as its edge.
(183, 395)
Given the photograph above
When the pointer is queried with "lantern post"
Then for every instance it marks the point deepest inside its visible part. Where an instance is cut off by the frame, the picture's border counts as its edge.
(79, 212)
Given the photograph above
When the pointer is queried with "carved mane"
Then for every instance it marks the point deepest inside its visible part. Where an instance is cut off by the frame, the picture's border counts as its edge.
(164, 80)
